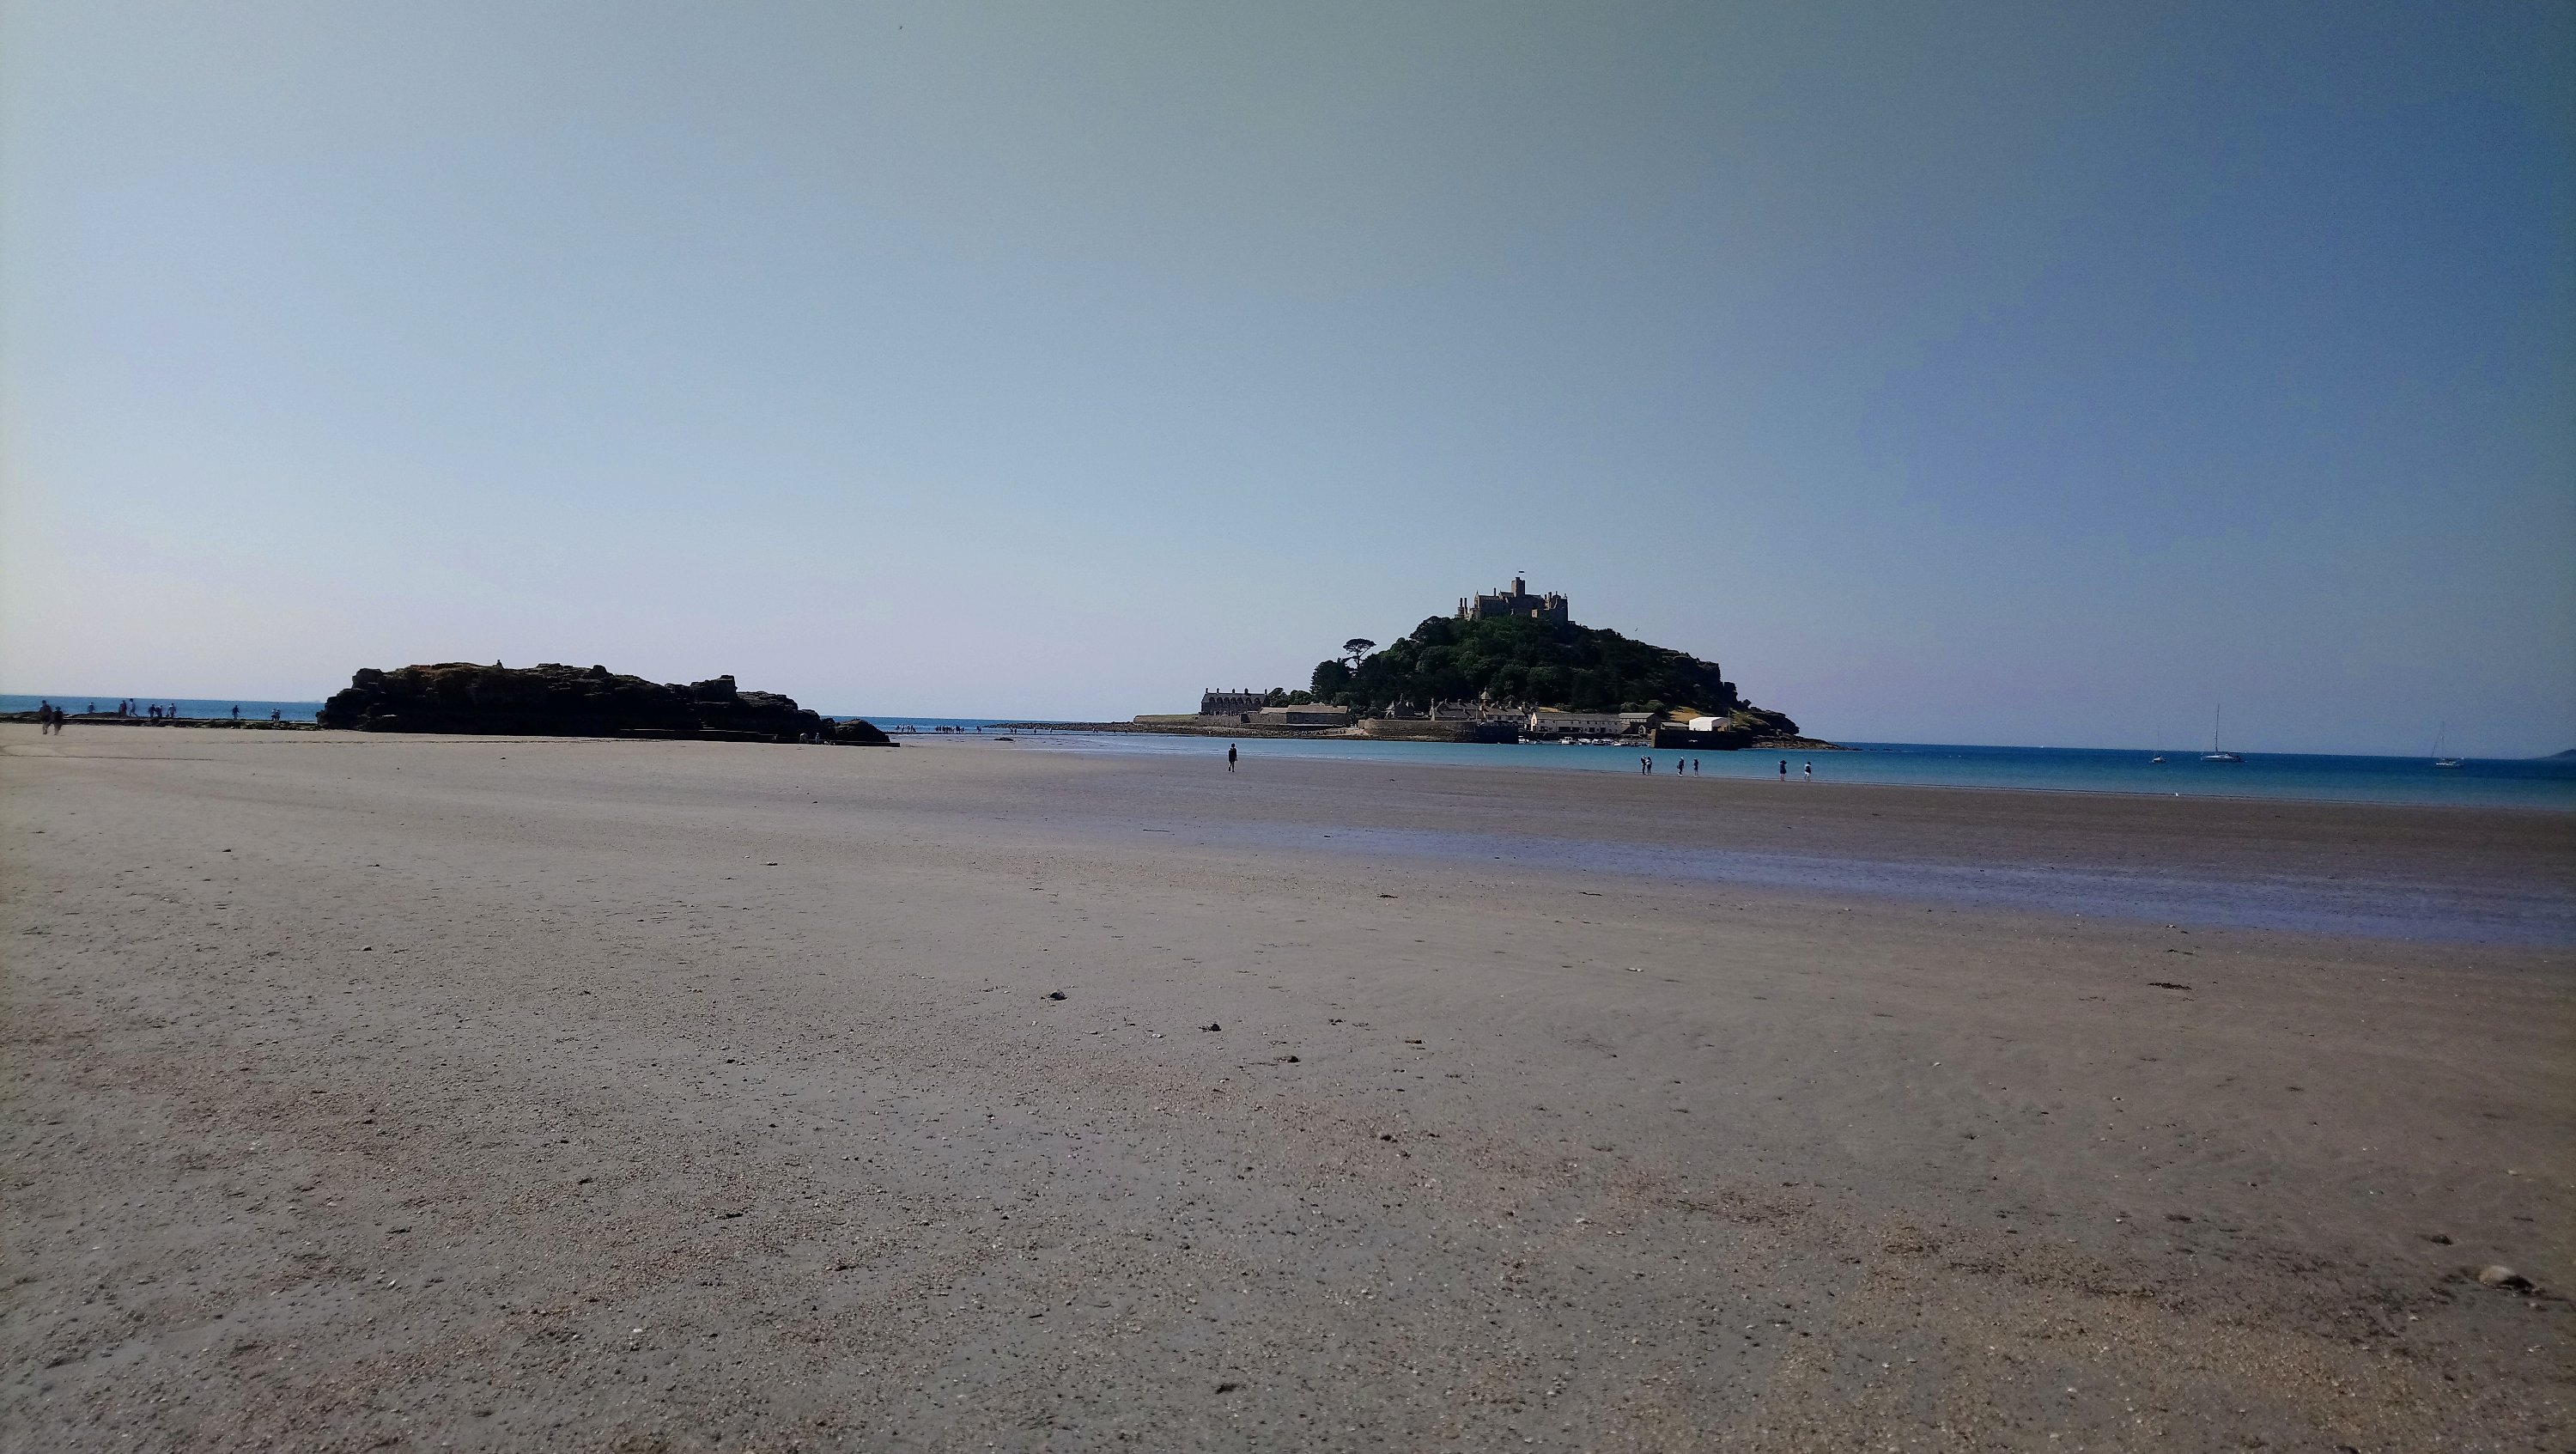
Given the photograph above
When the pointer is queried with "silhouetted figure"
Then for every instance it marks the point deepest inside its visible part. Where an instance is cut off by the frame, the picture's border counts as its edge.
(1811, 772)
(1229, 757)
(1784, 769)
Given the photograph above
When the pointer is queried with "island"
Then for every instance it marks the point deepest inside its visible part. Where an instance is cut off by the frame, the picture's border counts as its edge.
(1509, 659)
(554, 700)
(1506, 666)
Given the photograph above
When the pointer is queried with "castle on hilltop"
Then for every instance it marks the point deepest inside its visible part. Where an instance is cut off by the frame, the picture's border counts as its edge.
(1517, 602)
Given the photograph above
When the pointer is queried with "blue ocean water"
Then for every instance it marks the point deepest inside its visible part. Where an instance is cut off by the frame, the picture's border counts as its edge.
(903, 724)
(2543, 783)
(188, 706)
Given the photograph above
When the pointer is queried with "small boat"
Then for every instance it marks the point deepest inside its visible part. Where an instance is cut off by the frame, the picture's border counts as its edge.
(2438, 759)
(2159, 757)
(2214, 754)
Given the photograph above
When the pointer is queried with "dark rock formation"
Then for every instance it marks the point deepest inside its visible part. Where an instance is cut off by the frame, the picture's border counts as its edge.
(554, 700)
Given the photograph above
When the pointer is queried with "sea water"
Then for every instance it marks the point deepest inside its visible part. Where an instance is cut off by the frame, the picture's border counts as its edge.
(2544, 783)
(188, 706)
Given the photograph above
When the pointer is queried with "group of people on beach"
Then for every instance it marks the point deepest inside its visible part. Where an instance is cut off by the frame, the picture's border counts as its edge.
(1690, 766)
(50, 718)
(125, 708)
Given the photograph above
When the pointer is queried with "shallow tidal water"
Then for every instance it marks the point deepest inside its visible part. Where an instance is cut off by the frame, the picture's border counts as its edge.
(2541, 783)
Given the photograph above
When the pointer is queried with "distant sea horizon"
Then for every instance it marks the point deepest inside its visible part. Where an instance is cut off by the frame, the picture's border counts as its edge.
(2547, 783)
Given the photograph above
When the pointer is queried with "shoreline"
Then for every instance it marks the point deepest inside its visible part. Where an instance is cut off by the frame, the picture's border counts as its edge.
(1911, 752)
(109, 719)
(1260, 733)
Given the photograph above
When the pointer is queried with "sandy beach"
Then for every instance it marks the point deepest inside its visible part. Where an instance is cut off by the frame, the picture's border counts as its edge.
(403, 1093)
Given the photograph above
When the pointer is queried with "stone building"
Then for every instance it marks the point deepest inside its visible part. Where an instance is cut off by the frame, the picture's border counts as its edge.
(1239, 703)
(1516, 602)
(1548, 722)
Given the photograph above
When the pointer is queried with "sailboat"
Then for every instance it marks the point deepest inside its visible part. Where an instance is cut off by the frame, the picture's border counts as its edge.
(2213, 754)
(2438, 759)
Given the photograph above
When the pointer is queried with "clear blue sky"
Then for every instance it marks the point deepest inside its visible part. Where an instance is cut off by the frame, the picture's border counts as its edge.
(1992, 373)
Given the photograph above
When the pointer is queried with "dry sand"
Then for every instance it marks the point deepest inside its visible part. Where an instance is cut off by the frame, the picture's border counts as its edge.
(400, 1093)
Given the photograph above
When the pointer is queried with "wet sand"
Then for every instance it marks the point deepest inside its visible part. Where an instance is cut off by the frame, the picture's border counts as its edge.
(402, 1093)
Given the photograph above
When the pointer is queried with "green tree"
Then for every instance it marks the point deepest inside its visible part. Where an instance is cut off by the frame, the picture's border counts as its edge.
(1521, 662)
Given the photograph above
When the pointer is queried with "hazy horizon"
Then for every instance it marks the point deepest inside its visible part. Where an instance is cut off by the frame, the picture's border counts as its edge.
(1996, 374)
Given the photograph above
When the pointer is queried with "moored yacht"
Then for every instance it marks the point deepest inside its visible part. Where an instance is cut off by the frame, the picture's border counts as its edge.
(2214, 754)
(2438, 759)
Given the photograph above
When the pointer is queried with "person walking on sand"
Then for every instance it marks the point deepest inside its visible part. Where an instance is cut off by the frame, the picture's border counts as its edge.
(1811, 772)
(1784, 769)
(1694, 767)
(1230, 755)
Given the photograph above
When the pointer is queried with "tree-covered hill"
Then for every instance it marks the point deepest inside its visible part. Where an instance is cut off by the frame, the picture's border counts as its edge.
(1521, 662)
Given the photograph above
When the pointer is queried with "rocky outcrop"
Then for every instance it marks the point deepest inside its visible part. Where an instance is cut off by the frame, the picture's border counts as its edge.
(553, 700)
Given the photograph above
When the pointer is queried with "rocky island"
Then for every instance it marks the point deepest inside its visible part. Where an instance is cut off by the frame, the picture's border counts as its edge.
(1549, 677)
(554, 700)
(1507, 666)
